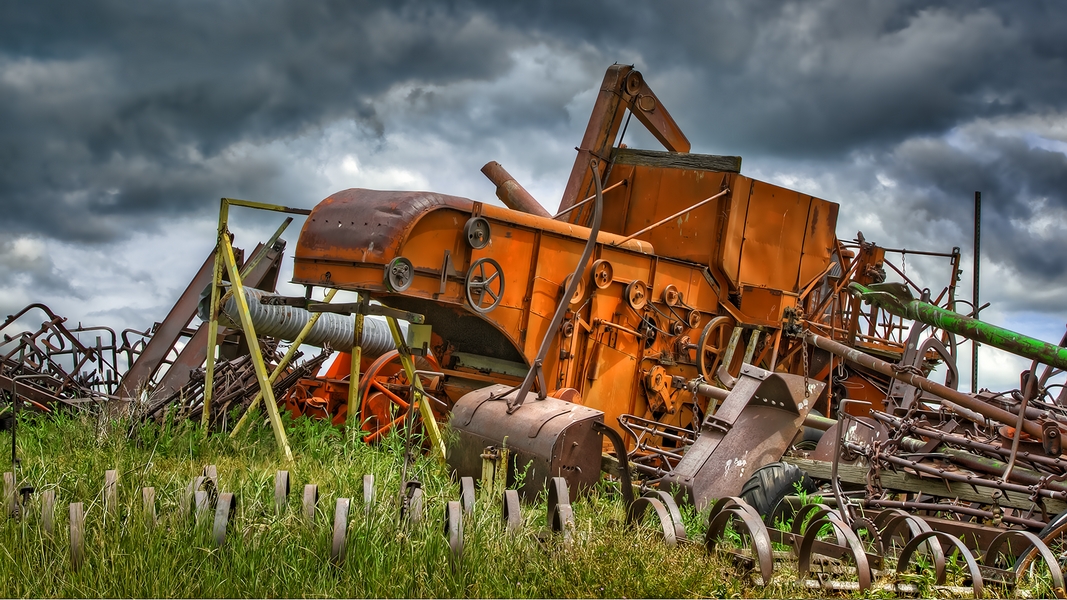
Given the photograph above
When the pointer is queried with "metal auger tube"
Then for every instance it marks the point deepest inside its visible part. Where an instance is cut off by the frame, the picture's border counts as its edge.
(286, 322)
(896, 299)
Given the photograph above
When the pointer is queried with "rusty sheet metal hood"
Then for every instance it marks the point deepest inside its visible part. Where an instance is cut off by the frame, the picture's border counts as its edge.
(360, 225)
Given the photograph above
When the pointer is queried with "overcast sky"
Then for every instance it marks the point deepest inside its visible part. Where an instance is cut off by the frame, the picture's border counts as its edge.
(124, 123)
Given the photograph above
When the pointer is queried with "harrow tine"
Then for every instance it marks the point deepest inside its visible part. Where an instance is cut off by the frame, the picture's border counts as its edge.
(636, 514)
(202, 504)
(940, 536)
(734, 509)
(915, 527)
(111, 492)
(562, 522)
(77, 535)
(48, 511)
(1032, 545)
(454, 531)
(466, 494)
(558, 493)
(511, 510)
(189, 500)
(368, 493)
(281, 492)
(854, 546)
(10, 503)
(340, 530)
(227, 506)
(148, 503)
(310, 500)
(411, 507)
(672, 509)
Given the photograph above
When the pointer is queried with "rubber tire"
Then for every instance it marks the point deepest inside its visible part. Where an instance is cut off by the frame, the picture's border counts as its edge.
(770, 484)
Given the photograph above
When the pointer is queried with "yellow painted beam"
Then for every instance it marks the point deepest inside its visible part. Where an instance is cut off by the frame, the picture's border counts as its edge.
(265, 386)
(424, 407)
(213, 323)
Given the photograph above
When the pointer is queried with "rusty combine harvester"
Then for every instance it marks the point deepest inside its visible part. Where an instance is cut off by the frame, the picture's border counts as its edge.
(702, 323)
(676, 325)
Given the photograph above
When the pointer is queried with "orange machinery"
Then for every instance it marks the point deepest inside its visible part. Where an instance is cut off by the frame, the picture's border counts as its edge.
(696, 269)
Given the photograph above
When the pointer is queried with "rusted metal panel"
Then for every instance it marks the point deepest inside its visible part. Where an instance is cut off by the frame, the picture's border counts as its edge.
(610, 382)
(733, 229)
(820, 236)
(774, 235)
(753, 427)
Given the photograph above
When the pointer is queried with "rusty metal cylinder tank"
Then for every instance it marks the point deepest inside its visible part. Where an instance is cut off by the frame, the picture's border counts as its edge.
(546, 438)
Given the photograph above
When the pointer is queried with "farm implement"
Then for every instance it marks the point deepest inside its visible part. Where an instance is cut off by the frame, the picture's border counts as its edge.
(695, 335)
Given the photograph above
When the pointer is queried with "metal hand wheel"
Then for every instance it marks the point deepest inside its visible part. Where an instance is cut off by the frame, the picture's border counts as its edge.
(485, 281)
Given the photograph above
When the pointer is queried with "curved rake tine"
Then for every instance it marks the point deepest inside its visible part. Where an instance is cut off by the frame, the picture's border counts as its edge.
(189, 499)
(757, 532)
(1032, 544)
(511, 511)
(453, 528)
(148, 505)
(941, 536)
(224, 511)
(863, 568)
(466, 494)
(309, 501)
(915, 526)
(558, 493)
(865, 524)
(48, 512)
(666, 522)
(281, 492)
(672, 508)
(368, 493)
(111, 492)
(77, 535)
(562, 521)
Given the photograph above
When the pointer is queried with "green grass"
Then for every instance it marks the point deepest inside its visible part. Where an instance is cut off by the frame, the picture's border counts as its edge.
(270, 556)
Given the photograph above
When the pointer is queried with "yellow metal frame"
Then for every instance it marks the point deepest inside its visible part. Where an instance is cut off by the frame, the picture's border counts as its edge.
(424, 407)
(224, 259)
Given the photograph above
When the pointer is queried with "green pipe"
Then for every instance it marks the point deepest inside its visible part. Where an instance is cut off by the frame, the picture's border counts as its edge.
(897, 299)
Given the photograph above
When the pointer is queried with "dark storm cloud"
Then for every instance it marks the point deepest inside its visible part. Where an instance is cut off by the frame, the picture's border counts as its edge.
(118, 116)
(113, 110)
(1024, 192)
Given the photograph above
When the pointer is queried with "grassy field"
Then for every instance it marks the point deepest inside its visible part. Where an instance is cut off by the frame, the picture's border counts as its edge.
(266, 555)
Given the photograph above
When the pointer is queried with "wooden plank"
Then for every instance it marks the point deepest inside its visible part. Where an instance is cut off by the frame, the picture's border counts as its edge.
(907, 482)
(676, 160)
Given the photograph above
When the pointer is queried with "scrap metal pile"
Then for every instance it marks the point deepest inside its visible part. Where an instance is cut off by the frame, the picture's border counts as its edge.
(678, 325)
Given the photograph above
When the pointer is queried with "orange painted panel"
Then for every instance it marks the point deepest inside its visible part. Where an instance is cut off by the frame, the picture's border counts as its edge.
(818, 240)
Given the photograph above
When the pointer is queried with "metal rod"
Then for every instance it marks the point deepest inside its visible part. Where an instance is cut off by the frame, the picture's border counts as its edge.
(674, 216)
(987, 410)
(572, 286)
(424, 407)
(976, 273)
(589, 199)
(352, 421)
